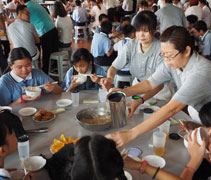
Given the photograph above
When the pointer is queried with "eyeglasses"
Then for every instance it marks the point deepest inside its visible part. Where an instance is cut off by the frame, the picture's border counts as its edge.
(169, 57)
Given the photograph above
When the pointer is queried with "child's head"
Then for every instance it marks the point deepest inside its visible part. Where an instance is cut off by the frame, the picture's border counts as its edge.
(205, 115)
(129, 31)
(96, 157)
(199, 28)
(81, 60)
(78, 3)
(59, 9)
(192, 19)
(106, 27)
(143, 5)
(202, 3)
(103, 17)
(124, 21)
(8, 140)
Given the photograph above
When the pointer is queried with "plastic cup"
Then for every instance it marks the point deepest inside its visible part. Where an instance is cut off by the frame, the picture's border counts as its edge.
(148, 112)
(23, 146)
(159, 140)
(165, 128)
(102, 94)
(75, 97)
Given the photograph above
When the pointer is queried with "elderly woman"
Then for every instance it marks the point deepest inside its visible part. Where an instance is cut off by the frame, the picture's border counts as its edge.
(191, 74)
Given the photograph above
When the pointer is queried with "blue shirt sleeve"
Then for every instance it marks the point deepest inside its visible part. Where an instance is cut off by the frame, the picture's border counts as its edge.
(5, 95)
(67, 79)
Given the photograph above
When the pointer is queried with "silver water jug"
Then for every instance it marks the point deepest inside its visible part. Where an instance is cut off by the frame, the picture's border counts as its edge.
(117, 102)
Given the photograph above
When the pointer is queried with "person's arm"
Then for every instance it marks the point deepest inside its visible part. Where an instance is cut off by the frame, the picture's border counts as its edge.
(106, 82)
(157, 118)
(130, 163)
(24, 99)
(2, 23)
(52, 88)
(11, 44)
(110, 51)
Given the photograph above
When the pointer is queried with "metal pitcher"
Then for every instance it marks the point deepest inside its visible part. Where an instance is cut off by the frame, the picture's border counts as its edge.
(117, 102)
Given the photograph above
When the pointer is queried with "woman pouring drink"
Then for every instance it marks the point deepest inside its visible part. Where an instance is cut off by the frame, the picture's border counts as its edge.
(190, 72)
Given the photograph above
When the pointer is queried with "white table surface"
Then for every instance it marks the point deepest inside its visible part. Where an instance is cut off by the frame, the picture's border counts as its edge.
(176, 154)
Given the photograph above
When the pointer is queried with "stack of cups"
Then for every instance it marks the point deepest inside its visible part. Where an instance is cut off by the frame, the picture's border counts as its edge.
(159, 140)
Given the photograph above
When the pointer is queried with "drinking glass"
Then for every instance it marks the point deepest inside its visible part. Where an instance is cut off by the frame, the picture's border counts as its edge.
(23, 146)
(165, 128)
(159, 140)
(75, 97)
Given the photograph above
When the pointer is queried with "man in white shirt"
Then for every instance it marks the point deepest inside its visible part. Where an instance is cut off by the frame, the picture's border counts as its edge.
(206, 13)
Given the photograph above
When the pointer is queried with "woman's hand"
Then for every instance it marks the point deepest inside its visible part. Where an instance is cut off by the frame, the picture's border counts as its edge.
(132, 106)
(195, 150)
(120, 137)
(208, 155)
(95, 78)
(74, 84)
(106, 83)
(29, 176)
(49, 86)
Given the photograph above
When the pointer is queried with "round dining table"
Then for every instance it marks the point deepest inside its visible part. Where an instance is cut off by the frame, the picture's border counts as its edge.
(176, 155)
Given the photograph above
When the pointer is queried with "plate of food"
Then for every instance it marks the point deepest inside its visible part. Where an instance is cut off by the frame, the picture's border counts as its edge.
(43, 116)
(34, 163)
(58, 144)
(28, 111)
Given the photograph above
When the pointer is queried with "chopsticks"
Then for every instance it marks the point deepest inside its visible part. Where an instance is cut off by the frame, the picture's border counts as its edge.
(55, 82)
(183, 124)
(124, 154)
(90, 75)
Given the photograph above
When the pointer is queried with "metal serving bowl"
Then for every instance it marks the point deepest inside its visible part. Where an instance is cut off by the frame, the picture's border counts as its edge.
(91, 114)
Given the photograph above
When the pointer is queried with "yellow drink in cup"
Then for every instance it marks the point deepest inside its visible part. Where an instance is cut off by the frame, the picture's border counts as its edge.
(165, 128)
(159, 140)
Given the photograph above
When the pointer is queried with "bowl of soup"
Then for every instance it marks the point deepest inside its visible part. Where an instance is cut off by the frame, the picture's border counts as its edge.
(33, 91)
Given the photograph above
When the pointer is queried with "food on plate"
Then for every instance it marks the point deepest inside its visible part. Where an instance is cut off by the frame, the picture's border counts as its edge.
(97, 120)
(43, 115)
(58, 144)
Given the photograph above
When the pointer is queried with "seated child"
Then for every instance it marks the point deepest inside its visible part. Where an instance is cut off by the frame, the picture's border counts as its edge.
(8, 144)
(14, 83)
(101, 47)
(204, 35)
(83, 63)
(102, 17)
(118, 31)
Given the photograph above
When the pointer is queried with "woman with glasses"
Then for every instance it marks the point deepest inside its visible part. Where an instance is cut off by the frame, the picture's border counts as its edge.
(191, 74)
(14, 83)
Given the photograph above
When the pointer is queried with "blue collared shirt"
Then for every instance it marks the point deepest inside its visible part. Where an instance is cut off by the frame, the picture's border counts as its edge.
(80, 15)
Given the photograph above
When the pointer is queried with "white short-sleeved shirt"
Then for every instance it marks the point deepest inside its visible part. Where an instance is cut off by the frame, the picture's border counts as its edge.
(194, 10)
(193, 84)
(127, 5)
(142, 65)
(206, 16)
(206, 40)
(66, 26)
(12, 5)
(110, 4)
(96, 12)
(170, 15)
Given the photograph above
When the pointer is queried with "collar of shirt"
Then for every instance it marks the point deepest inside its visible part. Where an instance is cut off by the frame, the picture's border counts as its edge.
(205, 35)
(104, 34)
(19, 79)
(4, 173)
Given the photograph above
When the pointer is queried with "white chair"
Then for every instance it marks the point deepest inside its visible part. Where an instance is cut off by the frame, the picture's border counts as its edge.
(122, 78)
(77, 28)
(63, 64)
(69, 50)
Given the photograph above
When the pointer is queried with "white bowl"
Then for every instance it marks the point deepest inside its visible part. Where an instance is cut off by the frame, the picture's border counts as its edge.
(33, 91)
(201, 133)
(34, 163)
(155, 161)
(64, 102)
(28, 111)
(6, 107)
(186, 140)
(81, 78)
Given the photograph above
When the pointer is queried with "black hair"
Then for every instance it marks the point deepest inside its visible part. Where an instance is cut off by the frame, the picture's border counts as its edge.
(192, 19)
(9, 122)
(18, 54)
(205, 114)
(78, 3)
(83, 54)
(200, 25)
(179, 37)
(59, 9)
(102, 16)
(106, 27)
(143, 3)
(168, 1)
(125, 18)
(128, 30)
(20, 8)
(203, 2)
(96, 157)
(25, 1)
(145, 20)
(154, 8)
